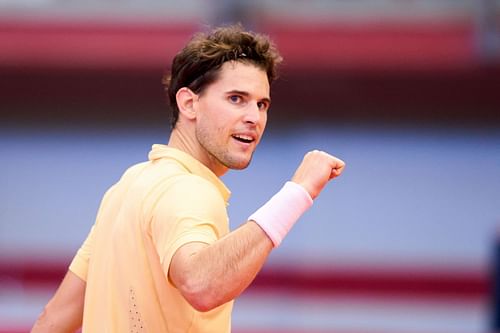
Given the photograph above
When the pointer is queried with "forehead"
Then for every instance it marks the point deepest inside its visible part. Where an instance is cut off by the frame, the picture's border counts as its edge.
(235, 75)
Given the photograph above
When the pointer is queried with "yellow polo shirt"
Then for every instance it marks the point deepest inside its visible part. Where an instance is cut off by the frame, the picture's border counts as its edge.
(155, 208)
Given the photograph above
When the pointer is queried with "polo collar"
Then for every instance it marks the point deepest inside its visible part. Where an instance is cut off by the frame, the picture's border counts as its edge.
(191, 164)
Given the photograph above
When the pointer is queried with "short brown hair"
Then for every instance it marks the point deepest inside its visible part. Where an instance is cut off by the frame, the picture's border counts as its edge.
(198, 63)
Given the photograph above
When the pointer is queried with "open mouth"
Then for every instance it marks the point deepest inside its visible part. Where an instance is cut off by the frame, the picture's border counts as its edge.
(243, 138)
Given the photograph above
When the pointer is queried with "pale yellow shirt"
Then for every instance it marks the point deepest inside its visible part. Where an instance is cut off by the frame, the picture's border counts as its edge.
(156, 207)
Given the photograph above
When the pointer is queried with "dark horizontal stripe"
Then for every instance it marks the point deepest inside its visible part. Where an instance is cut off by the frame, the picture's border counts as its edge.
(432, 282)
(105, 71)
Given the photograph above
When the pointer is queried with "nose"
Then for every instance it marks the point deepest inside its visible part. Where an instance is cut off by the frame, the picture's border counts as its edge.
(252, 114)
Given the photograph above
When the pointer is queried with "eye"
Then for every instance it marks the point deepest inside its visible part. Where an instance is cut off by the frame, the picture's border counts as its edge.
(262, 105)
(235, 99)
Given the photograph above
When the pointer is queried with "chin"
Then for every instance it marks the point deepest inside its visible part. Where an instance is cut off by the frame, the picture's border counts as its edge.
(241, 167)
(234, 161)
(238, 164)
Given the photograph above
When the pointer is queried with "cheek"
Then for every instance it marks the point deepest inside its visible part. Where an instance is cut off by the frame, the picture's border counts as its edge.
(206, 115)
(263, 120)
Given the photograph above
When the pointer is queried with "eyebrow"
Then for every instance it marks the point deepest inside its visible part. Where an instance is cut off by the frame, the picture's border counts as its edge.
(245, 93)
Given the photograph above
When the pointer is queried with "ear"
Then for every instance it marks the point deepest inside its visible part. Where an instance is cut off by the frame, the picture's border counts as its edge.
(185, 98)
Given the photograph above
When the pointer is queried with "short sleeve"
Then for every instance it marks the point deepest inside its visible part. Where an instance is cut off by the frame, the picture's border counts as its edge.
(80, 263)
(191, 209)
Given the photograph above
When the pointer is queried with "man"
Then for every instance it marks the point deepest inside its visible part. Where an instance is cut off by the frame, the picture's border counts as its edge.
(160, 257)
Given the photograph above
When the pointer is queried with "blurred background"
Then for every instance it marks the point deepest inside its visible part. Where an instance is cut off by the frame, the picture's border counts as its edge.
(407, 92)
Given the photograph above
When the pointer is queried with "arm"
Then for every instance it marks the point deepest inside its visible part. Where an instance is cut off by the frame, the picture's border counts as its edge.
(210, 275)
(64, 312)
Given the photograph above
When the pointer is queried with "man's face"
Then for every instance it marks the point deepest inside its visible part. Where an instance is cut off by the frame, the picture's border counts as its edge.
(231, 114)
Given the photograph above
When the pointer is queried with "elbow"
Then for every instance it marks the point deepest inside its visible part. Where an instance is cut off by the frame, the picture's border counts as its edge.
(201, 304)
(199, 296)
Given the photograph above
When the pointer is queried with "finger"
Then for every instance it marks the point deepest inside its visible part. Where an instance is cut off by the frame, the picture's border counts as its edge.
(335, 173)
(340, 165)
(337, 168)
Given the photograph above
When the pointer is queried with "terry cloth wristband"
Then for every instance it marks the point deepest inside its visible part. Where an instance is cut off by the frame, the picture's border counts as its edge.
(280, 213)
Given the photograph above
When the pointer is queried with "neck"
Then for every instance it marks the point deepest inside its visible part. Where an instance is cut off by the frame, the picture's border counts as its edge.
(185, 140)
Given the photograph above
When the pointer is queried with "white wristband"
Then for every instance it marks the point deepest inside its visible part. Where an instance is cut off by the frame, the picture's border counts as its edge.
(280, 213)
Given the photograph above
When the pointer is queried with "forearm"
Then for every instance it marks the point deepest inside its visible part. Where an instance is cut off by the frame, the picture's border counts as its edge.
(210, 275)
(47, 323)
(64, 312)
(219, 272)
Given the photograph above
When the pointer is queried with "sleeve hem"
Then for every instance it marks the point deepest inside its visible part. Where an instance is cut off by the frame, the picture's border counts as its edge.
(77, 266)
(179, 242)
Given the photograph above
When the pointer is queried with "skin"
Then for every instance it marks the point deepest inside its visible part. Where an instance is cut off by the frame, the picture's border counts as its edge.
(64, 312)
(233, 106)
(210, 123)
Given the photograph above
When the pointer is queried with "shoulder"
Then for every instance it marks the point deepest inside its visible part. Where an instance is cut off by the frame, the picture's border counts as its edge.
(134, 170)
(194, 188)
(190, 195)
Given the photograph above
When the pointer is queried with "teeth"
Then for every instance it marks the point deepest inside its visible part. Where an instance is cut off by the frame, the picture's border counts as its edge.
(244, 137)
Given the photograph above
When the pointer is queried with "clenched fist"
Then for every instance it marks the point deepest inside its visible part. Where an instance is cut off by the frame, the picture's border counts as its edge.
(316, 169)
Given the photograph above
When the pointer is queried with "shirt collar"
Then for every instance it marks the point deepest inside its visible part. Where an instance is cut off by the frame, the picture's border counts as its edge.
(191, 164)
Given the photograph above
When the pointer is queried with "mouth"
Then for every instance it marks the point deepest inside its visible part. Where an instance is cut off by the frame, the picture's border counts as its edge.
(244, 138)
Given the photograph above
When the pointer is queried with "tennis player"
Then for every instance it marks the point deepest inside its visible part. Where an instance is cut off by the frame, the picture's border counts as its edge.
(160, 256)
